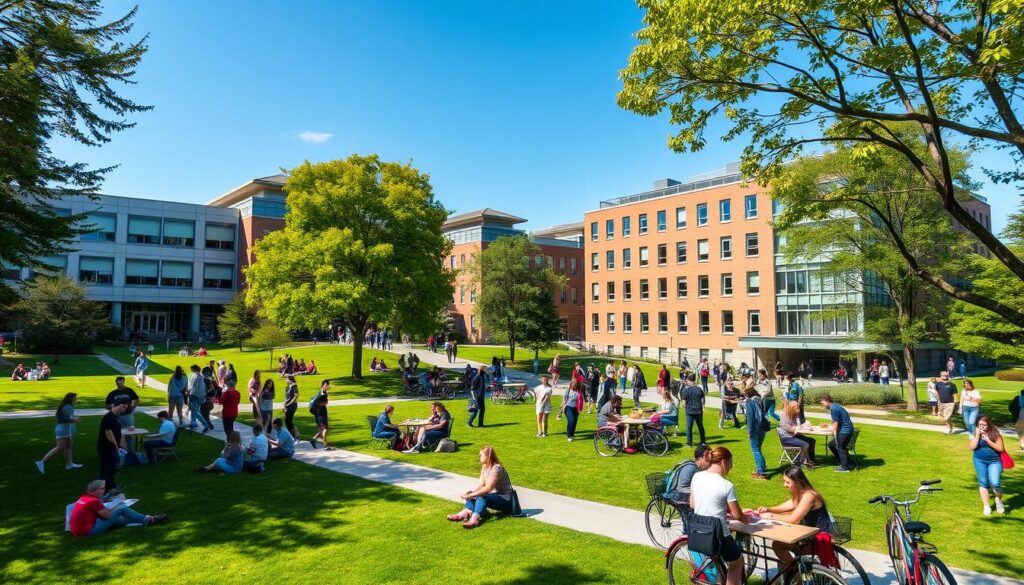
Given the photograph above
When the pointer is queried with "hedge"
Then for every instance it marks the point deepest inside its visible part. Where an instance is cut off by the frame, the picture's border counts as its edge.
(871, 394)
(1011, 375)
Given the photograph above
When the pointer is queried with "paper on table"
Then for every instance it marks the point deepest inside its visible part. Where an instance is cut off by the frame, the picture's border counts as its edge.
(114, 503)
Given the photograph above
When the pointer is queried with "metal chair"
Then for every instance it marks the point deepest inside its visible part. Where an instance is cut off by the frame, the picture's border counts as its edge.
(161, 454)
(852, 447)
(430, 446)
(376, 442)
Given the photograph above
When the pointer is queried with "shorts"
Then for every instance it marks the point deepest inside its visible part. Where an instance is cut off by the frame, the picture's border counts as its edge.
(546, 409)
(321, 418)
(127, 420)
(946, 410)
(64, 430)
(933, 403)
(730, 549)
(176, 400)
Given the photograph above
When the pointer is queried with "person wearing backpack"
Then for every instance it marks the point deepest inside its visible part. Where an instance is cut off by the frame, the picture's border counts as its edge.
(692, 396)
(1017, 412)
(318, 408)
(757, 426)
(639, 385)
(678, 484)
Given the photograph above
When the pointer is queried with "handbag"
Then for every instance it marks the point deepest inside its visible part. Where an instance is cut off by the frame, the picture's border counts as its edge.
(1007, 461)
(704, 534)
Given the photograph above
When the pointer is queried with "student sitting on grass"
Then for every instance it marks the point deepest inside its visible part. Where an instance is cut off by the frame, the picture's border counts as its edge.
(494, 491)
(230, 460)
(256, 451)
(20, 374)
(90, 517)
(311, 368)
(282, 443)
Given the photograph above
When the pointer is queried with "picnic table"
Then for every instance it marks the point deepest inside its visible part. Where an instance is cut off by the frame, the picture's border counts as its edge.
(767, 531)
(131, 436)
(818, 430)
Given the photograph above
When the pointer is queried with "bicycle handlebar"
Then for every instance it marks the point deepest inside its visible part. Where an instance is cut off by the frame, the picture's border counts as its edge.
(931, 482)
(925, 488)
(875, 500)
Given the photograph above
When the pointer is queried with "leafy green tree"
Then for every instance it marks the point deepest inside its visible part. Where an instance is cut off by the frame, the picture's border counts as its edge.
(362, 243)
(60, 68)
(812, 73)
(848, 211)
(269, 336)
(540, 325)
(57, 316)
(513, 298)
(237, 322)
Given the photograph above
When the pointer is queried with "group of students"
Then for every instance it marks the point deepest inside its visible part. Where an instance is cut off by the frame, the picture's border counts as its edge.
(289, 366)
(437, 427)
(40, 372)
(378, 365)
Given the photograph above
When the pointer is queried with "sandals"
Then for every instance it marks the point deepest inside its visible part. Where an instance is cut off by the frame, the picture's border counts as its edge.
(471, 524)
(456, 517)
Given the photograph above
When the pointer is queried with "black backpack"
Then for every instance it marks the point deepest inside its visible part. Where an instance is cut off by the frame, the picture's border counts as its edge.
(1015, 407)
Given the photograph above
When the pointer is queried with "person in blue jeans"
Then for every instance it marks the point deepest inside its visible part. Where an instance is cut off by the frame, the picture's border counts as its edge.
(383, 428)
(494, 491)
(794, 391)
(692, 397)
(572, 402)
(970, 406)
(757, 427)
(231, 456)
(842, 427)
(987, 445)
(90, 517)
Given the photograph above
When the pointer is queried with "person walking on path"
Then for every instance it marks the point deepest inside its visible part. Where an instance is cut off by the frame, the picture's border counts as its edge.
(65, 432)
(448, 350)
(543, 393)
(291, 404)
(692, 397)
(176, 386)
(963, 368)
(593, 387)
(970, 406)
(704, 370)
(1017, 412)
(318, 408)
(141, 364)
(757, 427)
(988, 449)
(639, 385)
(478, 397)
(196, 398)
(553, 369)
(572, 404)
(255, 385)
(623, 370)
(455, 350)
(883, 373)
(794, 392)
(947, 399)
(842, 428)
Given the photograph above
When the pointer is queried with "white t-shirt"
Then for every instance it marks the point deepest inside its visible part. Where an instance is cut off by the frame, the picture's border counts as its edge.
(543, 397)
(711, 496)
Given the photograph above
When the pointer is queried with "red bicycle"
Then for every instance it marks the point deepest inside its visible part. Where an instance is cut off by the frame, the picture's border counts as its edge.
(914, 560)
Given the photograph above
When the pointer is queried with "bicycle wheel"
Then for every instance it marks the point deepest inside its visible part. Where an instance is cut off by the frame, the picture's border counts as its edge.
(850, 568)
(935, 572)
(654, 443)
(814, 574)
(529, 397)
(607, 442)
(894, 539)
(495, 399)
(686, 567)
(664, 522)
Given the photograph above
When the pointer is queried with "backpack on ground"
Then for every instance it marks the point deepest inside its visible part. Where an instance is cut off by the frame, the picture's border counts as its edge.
(445, 446)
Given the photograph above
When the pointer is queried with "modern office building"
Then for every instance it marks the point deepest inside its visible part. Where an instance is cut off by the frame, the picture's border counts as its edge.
(261, 208)
(561, 248)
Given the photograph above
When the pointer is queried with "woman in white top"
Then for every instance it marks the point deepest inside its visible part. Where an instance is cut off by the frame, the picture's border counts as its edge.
(970, 406)
(883, 372)
(713, 495)
(543, 393)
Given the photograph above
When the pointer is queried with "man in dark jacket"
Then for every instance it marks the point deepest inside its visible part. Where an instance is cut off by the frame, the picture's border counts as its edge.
(692, 397)
(477, 397)
(639, 385)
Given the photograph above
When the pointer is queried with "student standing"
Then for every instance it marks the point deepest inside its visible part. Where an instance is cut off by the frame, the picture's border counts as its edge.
(229, 400)
(947, 399)
(319, 411)
(291, 404)
(196, 399)
(65, 433)
(842, 428)
(1017, 411)
(141, 364)
(757, 428)
(623, 370)
(543, 393)
(794, 392)
(267, 395)
(176, 394)
(639, 385)
(693, 399)
(478, 397)
(108, 443)
(970, 405)
(987, 446)
(572, 404)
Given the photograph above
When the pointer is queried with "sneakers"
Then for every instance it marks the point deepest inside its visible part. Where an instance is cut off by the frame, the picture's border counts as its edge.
(313, 443)
(987, 510)
(570, 439)
(157, 519)
(759, 476)
(411, 450)
(999, 507)
(71, 466)
(842, 470)
(41, 466)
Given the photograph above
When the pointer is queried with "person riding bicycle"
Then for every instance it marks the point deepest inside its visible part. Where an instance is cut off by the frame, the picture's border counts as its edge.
(806, 507)
(679, 491)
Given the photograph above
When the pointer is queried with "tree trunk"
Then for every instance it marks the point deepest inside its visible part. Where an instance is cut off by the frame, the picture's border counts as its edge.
(512, 349)
(910, 363)
(272, 357)
(358, 333)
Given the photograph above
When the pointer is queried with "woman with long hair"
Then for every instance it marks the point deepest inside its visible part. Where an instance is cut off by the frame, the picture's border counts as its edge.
(543, 393)
(267, 395)
(789, 428)
(805, 506)
(713, 495)
(254, 394)
(176, 394)
(970, 405)
(572, 404)
(65, 432)
(553, 369)
(494, 491)
(231, 456)
(987, 447)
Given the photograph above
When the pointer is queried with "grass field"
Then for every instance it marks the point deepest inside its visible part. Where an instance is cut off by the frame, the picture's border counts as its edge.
(86, 375)
(294, 524)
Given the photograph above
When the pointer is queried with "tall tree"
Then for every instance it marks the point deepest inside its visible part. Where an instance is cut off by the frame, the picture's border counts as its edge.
(362, 243)
(847, 209)
(514, 291)
(58, 316)
(238, 321)
(60, 68)
(820, 72)
(269, 336)
(540, 324)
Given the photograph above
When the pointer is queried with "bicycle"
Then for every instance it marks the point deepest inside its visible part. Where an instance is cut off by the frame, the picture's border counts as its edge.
(913, 559)
(847, 566)
(501, 395)
(664, 516)
(608, 440)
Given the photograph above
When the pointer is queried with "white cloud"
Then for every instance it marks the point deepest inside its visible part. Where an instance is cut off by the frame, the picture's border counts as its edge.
(315, 137)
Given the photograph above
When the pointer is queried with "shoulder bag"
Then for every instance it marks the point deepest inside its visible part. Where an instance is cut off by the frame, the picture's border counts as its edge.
(704, 534)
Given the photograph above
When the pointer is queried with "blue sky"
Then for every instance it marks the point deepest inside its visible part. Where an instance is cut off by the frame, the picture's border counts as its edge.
(506, 105)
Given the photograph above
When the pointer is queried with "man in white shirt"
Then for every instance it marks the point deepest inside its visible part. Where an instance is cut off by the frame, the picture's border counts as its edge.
(712, 495)
(163, 438)
(257, 450)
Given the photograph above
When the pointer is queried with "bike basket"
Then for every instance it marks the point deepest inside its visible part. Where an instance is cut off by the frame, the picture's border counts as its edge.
(842, 530)
(656, 484)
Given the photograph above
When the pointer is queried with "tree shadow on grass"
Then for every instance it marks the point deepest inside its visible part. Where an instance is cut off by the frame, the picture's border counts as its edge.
(554, 574)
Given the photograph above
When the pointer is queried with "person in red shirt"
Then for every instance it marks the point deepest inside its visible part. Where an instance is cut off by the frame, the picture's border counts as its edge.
(229, 400)
(90, 517)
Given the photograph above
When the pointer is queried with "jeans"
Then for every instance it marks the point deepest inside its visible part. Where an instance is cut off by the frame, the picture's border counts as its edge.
(481, 407)
(728, 412)
(118, 517)
(704, 383)
(769, 407)
(154, 444)
(279, 453)
(195, 406)
(756, 440)
(636, 396)
(289, 419)
(803, 442)
(971, 414)
(255, 465)
(229, 425)
(885, 380)
(266, 416)
(989, 474)
(699, 420)
(838, 446)
(480, 504)
(108, 466)
(571, 417)
(622, 384)
(223, 465)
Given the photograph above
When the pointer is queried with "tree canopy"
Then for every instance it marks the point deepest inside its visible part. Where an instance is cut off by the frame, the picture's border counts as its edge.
(60, 70)
(238, 321)
(790, 75)
(362, 243)
(58, 316)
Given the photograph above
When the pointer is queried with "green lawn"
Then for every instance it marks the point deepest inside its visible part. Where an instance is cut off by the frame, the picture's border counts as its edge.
(893, 460)
(86, 375)
(294, 524)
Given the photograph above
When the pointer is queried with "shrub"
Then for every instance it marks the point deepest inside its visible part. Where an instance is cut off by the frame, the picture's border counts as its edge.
(1011, 375)
(873, 394)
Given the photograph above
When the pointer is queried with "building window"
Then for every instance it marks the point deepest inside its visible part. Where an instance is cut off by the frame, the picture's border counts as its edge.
(267, 207)
(178, 274)
(662, 288)
(143, 230)
(104, 227)
(725, 210)
(681, 287)
(725, 248)
(643, 223)
(750, 206)
(753, 283)
(593, 262)
(561, 264)
(609, 229)
(565, 295)
(611, 291)
(609, 259)
(703, 286)
(627, 351)
(222, 237)
(704, 319)
(572, 265)
(643, 256)
(662, 322)
(727, 326)
(662, 221)
(610, 322)
(462, 295)
(682, 322)
(462, 260)
(627, 228)
(593, 231)
(575, 296)
(538, 261)
(645, 289)
(595, 322)
(595, 290)
(218, 276)
(472, 323)
(727, 284)
(627, 290)
(702, 214)
(645, 323)
(179, 233)
(702, 251)
(96, 270)
(680, 218)
(627, 323)
(52, 266)
(680, 252)
(141, 272)
(662, 254)
(754, 322)
(752, 245)
(451, 262)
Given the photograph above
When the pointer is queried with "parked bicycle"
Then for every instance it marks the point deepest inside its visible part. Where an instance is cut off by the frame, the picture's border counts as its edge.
(847, 566)
(913, 559)
(609, 441)
(511, 392)
(664, 515)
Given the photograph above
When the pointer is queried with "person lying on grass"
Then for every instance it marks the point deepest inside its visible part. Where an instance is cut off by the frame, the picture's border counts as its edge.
(90, 517)
(494, 491)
